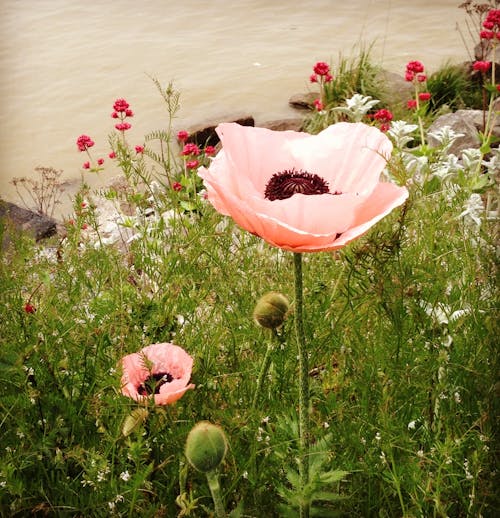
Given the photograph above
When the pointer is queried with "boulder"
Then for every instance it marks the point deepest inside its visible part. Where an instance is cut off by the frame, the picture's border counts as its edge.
(467, 122)
(203, 134)
(38, 225)
(303, 101)
(293, 123)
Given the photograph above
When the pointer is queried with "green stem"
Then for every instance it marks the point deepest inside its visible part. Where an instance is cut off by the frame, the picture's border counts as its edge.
(213, 484)
(303, 384)
(266, 362)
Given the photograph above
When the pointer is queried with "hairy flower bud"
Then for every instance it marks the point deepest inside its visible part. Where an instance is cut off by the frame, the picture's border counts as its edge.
(206, 446)
(270, 310)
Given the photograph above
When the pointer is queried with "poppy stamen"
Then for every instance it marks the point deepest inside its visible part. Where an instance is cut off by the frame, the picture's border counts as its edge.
(152, 384)
(286, 183)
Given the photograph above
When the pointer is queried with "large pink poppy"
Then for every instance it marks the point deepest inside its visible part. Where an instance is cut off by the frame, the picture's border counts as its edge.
(302, 192)
(162, 370)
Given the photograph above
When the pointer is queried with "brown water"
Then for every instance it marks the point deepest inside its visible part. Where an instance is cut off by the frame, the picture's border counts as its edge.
(64, 62)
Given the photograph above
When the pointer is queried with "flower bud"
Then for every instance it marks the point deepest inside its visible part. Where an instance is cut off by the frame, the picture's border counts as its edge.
(270, 310)
(206, 446)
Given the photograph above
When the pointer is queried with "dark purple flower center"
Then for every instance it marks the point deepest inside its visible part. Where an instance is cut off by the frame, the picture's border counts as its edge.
(286, 183)
(152, 384)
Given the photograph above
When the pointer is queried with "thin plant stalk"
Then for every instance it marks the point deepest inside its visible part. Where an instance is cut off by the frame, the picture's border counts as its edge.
(266, 362)
(303, 383)
(213, 484)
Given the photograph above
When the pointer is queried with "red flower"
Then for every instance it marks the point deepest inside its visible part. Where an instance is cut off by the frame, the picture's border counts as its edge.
(415, 66)
(85, 226)
(313, 78)
(498, 88)
(100, 161)
(190, 149)
(112, 155)
(129, 113)
(120, 105)
(86, 165)
(409, 76)
(486, 35)
(209, 151)
(139, 149)
(383, 115)
(176, 186)
(302, 192)
(318, 104)
(321, 68)
(115, 115)
(83, 142)
(424, 96)
(182, 135)
(411, 104)
(482, 66)
(328, 78)
(29, 308)
(123, 126)
(192, 164)
(161, 371)
(421, 78)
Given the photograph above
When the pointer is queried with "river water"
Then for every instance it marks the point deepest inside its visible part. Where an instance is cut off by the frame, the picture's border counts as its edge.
(64, 62)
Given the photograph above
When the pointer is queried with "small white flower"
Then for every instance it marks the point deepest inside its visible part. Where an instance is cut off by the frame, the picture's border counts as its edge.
(125, 476)
(412, 425)
(457, 397)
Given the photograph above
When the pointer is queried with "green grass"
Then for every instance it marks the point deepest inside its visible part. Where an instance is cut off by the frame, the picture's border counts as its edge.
(408, 406)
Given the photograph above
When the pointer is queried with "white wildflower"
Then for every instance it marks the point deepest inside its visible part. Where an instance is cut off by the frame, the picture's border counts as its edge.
(359, 105)
(473, 210)
(125, 476)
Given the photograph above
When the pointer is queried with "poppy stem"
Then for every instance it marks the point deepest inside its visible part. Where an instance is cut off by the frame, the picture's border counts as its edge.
(303, 385)
(213, 484)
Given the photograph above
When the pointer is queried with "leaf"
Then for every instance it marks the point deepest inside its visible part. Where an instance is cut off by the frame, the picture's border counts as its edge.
(134, 420)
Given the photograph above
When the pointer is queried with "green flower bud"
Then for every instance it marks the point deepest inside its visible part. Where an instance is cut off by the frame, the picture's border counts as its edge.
(206, 446)
(270, 310)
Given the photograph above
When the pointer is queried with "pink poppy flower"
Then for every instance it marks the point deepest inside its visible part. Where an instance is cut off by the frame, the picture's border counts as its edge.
(159, 370)
(302, 192)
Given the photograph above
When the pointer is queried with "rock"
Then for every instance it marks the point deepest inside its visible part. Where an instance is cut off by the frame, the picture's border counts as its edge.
(467, 122)
(204, 134)
(303, 101)
(294, 124)
(21, 219)
(397, 90)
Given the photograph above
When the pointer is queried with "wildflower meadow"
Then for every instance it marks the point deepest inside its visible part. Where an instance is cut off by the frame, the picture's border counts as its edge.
(283, 324)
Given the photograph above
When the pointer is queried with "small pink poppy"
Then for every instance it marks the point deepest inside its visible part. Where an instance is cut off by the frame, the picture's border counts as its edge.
(160, 370)
(302, 192)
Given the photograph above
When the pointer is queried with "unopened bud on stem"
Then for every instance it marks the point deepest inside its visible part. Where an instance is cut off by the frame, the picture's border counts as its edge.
(271, 309)
(206, 446)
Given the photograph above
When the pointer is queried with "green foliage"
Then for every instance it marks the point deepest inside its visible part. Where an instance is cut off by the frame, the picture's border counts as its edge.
(453, 88)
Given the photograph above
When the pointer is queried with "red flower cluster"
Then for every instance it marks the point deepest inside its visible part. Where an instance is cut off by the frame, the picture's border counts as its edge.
(322, 70)
(384, 117)
(121, 111)
(491, 25)
(83, 142)
(318, 104)
(482, 66)
(29, 308)
(412, 69)
(182, 135)
(190, 149)
(415, 73)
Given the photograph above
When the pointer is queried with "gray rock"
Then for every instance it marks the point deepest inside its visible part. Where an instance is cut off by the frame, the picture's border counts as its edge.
(21, 219)
(303, 101)
(294, 124)
(467, 122)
